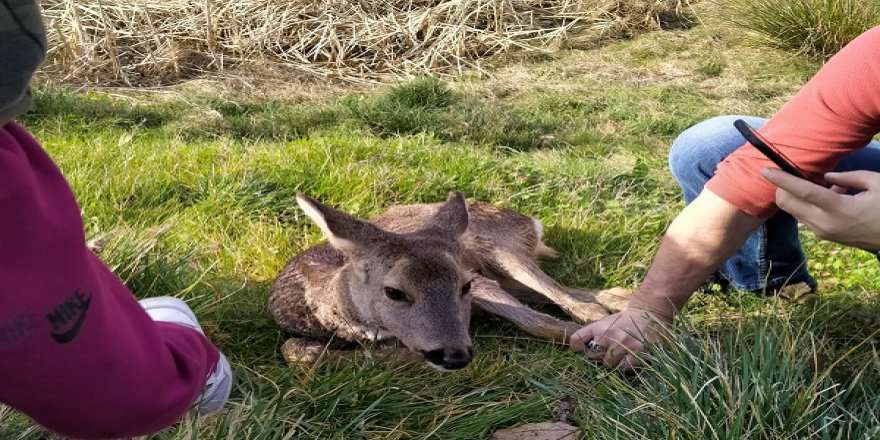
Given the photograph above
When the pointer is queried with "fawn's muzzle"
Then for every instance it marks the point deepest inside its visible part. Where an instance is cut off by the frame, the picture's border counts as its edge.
(449, 358)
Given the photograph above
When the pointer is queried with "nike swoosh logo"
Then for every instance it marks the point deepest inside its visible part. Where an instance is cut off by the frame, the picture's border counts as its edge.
(69, 335)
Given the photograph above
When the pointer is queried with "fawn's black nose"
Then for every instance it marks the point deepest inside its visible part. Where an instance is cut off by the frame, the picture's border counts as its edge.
(449, 358)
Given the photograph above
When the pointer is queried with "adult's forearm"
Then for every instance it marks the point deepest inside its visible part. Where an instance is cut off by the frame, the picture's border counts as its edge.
(705, 234)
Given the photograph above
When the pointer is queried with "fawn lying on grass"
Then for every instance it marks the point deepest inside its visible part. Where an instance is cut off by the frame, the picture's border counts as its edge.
(413, 273)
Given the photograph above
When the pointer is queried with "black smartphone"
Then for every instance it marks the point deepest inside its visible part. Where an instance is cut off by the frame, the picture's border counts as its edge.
(772, 153)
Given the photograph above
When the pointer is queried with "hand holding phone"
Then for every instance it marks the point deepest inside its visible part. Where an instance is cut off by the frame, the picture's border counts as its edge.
(832, 215)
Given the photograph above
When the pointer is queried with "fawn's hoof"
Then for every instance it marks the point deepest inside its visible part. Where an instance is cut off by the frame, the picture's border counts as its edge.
(301, 351)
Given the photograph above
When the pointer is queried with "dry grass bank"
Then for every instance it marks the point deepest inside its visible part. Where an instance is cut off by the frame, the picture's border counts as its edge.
(120, 42)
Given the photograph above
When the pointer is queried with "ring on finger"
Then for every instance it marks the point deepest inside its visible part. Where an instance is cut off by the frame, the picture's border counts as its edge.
(595, 346)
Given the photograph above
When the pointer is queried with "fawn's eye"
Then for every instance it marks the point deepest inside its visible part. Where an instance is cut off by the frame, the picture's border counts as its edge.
(395, 294)
(466, 288)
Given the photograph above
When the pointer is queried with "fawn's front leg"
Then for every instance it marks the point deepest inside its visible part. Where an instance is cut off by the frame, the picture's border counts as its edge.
(615, 300)
(525, 271)
(490, 297)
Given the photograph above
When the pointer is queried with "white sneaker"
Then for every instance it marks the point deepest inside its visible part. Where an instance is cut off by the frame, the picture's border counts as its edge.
(219, 383)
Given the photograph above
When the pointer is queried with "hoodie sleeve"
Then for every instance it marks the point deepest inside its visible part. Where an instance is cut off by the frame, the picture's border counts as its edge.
(22, 48)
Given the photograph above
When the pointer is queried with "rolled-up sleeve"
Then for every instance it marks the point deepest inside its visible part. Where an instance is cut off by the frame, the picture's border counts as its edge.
(834, 114)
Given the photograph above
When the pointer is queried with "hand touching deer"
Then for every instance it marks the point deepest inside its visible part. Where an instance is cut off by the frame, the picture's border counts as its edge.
(414, 274)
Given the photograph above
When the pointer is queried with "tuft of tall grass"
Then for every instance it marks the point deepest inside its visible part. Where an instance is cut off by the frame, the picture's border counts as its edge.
(816, 28)
(145, 261)
(767, 378)
(407, 108)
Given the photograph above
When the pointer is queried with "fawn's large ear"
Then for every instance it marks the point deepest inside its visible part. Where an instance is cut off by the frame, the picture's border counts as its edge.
(344, 231)
(452, 218)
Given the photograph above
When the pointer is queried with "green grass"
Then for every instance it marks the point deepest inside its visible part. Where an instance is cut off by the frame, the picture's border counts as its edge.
(197, 199)
(767, 377)
(816, 28)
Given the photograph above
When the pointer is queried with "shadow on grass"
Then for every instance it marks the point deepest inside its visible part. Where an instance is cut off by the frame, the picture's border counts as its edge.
(93, 110)
(422, 106)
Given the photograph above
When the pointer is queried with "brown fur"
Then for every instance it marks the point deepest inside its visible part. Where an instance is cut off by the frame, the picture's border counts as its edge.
(335, 293)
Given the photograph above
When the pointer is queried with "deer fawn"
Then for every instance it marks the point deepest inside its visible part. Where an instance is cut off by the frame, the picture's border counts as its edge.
(414, 273)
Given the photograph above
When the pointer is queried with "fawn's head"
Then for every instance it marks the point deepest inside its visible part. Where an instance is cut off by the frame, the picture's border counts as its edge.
(413, 286)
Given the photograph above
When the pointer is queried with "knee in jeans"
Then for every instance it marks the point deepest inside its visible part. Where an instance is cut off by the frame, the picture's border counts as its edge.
(691, 153)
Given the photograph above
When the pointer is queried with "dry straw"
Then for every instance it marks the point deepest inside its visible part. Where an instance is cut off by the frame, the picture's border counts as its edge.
(128, 42)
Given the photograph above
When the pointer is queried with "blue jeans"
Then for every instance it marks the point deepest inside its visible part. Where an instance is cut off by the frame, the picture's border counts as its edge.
(772, 256)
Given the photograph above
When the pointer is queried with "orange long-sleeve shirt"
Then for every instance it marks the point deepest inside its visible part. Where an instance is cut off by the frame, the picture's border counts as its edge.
(835, 113)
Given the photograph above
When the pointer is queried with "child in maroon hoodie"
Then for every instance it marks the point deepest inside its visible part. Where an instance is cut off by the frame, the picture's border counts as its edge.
(78, 353)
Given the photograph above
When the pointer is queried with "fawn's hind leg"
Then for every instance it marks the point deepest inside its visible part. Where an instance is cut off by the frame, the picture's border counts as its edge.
(525, 271)
(488, 296)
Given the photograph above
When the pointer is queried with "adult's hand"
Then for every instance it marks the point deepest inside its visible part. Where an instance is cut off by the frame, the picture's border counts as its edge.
(853, 220)
(622, 336)
(706, 233)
